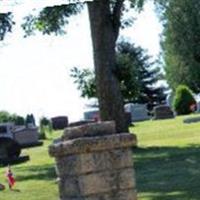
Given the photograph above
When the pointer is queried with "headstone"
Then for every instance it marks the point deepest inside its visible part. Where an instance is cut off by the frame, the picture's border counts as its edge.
(92, 115)
(93, 162)
(198, 106)
(163, 112)
(138, 111)
(26, 136)
(191, 120)
(169, 99)
(59, 122)
(81, 122)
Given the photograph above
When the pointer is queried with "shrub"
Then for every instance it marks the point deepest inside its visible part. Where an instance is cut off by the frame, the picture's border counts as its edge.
(184, 101)
(45, 127)
(42, 134)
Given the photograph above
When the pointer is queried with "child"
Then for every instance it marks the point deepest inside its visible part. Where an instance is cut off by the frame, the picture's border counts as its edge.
(10, 178)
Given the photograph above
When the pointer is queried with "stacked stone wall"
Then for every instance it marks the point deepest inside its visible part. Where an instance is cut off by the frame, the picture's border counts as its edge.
(95, 163)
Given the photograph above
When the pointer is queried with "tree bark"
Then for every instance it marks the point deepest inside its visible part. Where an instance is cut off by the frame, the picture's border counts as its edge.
(104, 32)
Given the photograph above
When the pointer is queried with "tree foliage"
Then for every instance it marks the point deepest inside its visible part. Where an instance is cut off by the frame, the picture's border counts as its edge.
(85, 81)
(53, 19)
(6, 24)
(184, 100)
(8, 117)
(50, 19)
(45, 126)
(30, 119)
(181, 42)
(136, 73)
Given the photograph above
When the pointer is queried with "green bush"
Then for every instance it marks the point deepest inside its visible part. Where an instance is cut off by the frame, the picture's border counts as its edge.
(42, 133)
(42, 136)
(184, 102)
(45, 127)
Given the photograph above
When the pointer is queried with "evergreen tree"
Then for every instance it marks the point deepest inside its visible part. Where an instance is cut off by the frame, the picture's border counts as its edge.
(145, 74)
(30, 119)
(135, 72)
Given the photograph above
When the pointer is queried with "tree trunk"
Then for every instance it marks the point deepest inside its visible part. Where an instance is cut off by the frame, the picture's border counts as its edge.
(104, 35)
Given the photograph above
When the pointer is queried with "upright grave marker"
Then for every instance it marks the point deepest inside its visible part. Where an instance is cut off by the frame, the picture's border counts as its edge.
(138, 111)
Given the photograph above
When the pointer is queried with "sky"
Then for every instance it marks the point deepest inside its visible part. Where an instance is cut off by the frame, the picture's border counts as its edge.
(35, 71)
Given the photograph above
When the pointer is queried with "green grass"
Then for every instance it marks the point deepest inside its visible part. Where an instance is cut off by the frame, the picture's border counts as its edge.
(35, 179)
(167, 161)
(167, 165)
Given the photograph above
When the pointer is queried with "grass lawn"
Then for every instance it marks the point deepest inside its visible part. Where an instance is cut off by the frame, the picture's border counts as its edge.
(167, 165)
(35, 179)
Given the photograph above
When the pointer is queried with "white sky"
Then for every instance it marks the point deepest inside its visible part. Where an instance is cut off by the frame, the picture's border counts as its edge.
(34, 72)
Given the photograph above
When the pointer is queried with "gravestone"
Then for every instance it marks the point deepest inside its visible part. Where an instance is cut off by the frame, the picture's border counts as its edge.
(198, 107)
(191, 120)
(163, 112)
(59, 122)
(93, 162)
(169, 99)
(81, 122)
(138, 111)
(92, 115)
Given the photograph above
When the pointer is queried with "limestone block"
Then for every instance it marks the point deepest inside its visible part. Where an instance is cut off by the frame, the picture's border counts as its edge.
(68, 165)
(129, 194)
(106, 160)
(97, 183)
(106, 181)
(92, 144)
(69, 187)
(115, 195)
(94, 162)
(89, 130)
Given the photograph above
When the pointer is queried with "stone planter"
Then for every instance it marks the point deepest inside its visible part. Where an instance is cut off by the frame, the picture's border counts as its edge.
(95, 163)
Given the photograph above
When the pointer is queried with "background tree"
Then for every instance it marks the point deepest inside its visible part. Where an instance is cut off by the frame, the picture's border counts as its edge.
(106, 19)
(8, 117)
(30, 119)
(18, 120)
(136, 73)
(181, 42)
(45, 126)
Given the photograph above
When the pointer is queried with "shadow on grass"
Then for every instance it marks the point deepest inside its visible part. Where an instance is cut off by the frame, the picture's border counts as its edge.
(14, 161)
(37, 172)
(165, 173)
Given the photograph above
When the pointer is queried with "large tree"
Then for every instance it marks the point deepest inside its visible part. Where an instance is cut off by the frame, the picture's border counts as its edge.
(106, 19)
(136, 73)
(181, 42)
